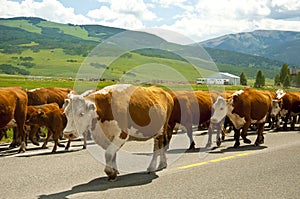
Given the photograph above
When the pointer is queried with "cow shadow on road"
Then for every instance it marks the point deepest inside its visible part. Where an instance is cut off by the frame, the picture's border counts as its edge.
(240, 148)
(101, 184)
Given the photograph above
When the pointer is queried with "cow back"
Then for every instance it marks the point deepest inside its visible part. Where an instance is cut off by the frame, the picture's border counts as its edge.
(48, 95)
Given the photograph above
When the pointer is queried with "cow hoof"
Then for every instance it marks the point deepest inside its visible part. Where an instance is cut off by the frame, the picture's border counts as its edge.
(112, 179)
(219, 143)
(44, 147)
(151, 170)
(35, 143)
(111, 173)
(66, 149)
(22, 148)
(223, 137)
(208, 145)
(61, 145)
(192, 146)
(162, 166)
(247, 141)
(236, 145)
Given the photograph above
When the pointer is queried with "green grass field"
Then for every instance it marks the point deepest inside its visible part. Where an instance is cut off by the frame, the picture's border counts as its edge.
(55, 63)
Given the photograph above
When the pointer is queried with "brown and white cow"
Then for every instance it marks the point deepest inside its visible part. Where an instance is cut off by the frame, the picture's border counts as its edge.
(190, 108)
(13, 105)
(120, 113)
(287, 106)
(243, 108)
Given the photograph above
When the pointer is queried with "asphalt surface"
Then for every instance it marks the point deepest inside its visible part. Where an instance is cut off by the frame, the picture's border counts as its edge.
(271, 170)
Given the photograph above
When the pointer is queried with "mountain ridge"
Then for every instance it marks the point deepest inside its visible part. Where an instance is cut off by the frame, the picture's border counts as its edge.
(272, 44)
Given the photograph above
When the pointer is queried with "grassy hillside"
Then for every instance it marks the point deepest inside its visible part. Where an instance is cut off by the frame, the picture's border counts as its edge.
(33, 46)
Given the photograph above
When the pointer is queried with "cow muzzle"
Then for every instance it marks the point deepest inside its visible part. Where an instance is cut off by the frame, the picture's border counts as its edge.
(70, 136)
(214, 120)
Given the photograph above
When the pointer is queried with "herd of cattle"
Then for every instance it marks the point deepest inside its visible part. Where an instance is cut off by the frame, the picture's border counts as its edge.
(123, 112)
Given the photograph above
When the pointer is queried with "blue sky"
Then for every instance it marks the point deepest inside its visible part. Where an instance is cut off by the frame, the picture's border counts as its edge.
(196, 19)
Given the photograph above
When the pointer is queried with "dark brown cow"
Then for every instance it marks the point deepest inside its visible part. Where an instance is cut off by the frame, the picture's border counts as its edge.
(13, 105)
(41, 96)
(243, 108)
(34, 111)
(55, 121)
(119, 113)
(190, 108)
(287, 105)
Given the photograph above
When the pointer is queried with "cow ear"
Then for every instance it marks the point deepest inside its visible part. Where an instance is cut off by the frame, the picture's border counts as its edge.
(42, 114)
(67, 101)
(91, 107)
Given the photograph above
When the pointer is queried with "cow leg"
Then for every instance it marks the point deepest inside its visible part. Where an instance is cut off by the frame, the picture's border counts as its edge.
(293, 122)
(209, 140)
(84, 140)
(286, 119)
(218, 135)
(190, 135)
(244, 132)
(2, 133)
(260, 136)
(236, 137)
(47, 139)
(16, 139)
(162, 153)
(156, 152)
(56, 136)
(111, 169)
(32, 133)
(68, 145)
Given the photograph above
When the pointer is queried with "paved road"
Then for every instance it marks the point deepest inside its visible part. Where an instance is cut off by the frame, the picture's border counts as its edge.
(268, 171)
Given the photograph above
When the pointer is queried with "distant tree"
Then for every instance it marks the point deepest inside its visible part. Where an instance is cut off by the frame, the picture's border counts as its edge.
(287, 81)
(277, 80)
(297, 79)
(260, 80)
(284, 72)
(243, 79)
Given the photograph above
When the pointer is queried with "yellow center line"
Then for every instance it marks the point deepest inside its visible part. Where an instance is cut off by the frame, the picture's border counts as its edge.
(214, 160)
(193, 165)
(221, 159)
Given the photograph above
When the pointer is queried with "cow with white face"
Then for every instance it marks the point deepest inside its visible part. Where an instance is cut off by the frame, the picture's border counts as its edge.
(287, 106)
(244, 107)
(119, 113)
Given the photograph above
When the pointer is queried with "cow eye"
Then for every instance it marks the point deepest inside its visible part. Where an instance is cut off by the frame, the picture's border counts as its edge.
(81, 114)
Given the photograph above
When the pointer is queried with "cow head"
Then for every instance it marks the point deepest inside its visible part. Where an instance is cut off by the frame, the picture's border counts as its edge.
(220, 110)
(80, 114)
(276, 107)
(35, 116)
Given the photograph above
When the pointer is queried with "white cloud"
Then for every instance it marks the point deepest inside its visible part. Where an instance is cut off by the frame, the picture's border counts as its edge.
(198, 20)
(48, 9)
(128, 14)
(213, 18)
(289, 5)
